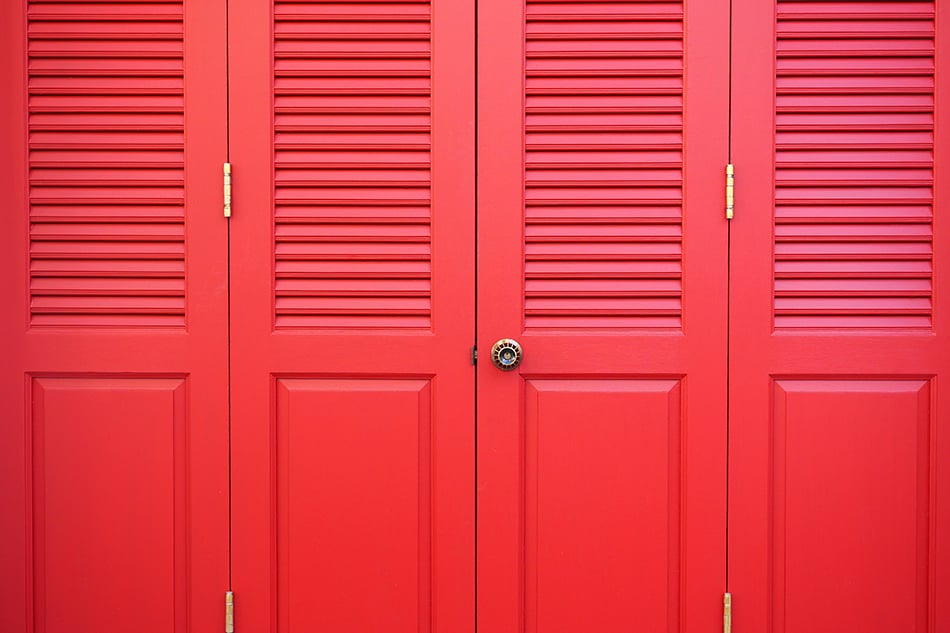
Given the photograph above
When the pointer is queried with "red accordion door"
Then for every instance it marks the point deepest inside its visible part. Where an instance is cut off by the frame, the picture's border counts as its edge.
(352, 315)
(602, 457)
(839, 503)
(113, 374)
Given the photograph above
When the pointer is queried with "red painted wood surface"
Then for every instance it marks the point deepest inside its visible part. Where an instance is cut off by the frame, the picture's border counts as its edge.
(839, 500)
(602, 249)
(601, 460)
(113, 376)
(352, 302)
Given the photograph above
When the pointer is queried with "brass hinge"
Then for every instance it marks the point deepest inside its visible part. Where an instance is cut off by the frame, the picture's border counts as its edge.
(227, 190)
(727, 613)
(228, 612)
(730, 190)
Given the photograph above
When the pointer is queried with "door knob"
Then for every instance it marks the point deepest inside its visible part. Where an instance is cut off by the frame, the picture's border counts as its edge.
(506, 354)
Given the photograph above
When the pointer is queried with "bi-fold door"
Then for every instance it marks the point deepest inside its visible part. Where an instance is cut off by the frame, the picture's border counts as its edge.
(839, 452)
(113, 321)
(603, 132)
(336, 488)
(602, 241)
(601, 459)
(601, 474)
(353, 315)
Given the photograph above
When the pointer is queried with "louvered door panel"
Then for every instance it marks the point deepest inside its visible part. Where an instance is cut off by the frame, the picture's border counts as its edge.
(603, 164)
(352, 145)
(839, 317)
(608, 265)
(113, 273)
(854, 165)
(106, 126)
(352, 86)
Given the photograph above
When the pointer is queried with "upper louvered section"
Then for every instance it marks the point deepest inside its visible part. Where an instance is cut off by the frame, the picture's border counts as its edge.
(352, 121)
(106, 164)
(854, 152)
(603, 175)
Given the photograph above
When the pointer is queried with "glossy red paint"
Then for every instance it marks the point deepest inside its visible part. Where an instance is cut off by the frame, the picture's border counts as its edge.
(601, 459)
(839, 499)
(815, 319)
(352, 297)
(114, 433)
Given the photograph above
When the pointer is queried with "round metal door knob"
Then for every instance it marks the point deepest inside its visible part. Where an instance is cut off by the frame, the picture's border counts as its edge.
(506, 354)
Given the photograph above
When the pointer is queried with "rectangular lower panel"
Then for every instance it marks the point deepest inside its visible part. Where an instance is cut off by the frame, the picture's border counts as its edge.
(602, 505)
(851, 486)
(108, 495)
(353, 505)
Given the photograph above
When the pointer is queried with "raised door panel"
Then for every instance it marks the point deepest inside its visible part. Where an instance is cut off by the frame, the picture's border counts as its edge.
(851, 535)
(838, 358)
(602, 250)
(602, 504)
(109, 518)
(354, 509)
(113, 380)
(352, 268)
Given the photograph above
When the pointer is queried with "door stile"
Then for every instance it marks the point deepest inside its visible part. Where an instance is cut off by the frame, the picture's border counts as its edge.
(15, 540)
(500, 181)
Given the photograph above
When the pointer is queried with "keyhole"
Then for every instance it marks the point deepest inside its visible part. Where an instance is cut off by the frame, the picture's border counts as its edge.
(506, 354)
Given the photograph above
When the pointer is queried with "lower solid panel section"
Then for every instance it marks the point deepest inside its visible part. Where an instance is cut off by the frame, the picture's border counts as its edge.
(852, 505)
(602, 505)
(108, 496)
(353, 505)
